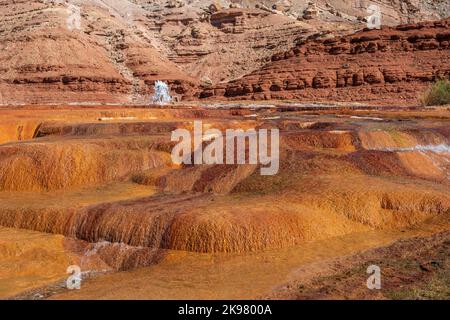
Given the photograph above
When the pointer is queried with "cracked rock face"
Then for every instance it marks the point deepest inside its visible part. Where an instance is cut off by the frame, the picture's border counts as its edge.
(104, 60)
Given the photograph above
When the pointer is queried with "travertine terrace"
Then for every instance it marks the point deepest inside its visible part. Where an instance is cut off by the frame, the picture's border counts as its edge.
(87, 176)
(373, 66)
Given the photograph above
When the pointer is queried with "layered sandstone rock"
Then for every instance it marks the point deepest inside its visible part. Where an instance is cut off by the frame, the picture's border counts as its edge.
(211, 43)
(392, 64)
(118, 48)
(44, 59)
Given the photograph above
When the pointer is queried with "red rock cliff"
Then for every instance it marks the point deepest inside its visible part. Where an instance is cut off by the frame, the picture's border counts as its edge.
(391, 65)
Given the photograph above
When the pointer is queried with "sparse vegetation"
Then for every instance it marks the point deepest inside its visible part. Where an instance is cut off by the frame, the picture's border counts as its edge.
(437, 94)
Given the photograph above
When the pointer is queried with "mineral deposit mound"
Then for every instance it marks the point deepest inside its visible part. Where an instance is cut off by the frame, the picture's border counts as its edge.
(93, 95)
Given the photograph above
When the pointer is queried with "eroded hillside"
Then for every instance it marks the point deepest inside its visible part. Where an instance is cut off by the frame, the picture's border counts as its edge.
(117, 49)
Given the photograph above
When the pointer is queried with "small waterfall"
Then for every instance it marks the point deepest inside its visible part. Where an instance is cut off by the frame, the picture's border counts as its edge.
(162, 93)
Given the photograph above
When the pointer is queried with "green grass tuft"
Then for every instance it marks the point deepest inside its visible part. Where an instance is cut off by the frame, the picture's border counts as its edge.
(437, 94)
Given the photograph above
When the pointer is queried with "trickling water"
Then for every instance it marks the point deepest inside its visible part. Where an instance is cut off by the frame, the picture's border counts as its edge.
(437, 154)
(440, 148)
(92, 251)
(162, 93)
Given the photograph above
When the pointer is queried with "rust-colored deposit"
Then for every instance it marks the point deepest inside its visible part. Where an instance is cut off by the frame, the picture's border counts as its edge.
(99, 184)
